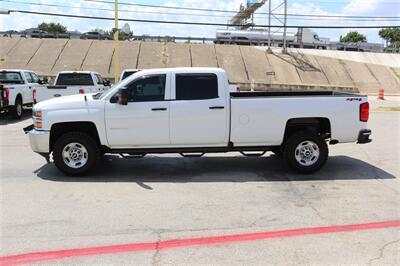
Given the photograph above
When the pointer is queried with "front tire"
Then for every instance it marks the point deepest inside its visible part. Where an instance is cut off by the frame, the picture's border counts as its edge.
(76, 153)
(305, 152)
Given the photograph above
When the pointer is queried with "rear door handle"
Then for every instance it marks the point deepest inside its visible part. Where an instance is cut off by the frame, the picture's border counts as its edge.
(159, 109)
(216, 107)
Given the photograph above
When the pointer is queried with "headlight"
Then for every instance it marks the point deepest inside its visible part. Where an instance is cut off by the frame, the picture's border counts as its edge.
(37, 118)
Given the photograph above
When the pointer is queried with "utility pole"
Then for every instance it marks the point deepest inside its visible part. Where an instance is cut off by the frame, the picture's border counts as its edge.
(269, 28)
(116, 43)
(284, 28)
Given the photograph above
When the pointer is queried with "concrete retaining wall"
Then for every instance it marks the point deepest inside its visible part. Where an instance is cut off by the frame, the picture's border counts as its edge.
(244, 64)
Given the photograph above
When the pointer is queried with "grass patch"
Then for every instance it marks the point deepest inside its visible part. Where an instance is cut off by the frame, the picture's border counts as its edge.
(341, 61)
(393, 109)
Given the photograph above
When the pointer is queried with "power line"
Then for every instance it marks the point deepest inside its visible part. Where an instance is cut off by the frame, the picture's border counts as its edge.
(189, 14)
(198, 23)
(227, 11)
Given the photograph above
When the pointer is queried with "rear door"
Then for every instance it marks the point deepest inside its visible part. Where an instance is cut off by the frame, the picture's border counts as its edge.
(144, 122)
(199, 113)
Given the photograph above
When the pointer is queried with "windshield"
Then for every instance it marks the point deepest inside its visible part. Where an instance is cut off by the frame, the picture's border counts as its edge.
(74, 79)
(127, 74)
(11, 77)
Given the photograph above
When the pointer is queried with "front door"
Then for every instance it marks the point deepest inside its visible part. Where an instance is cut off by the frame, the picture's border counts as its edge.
(144, 122)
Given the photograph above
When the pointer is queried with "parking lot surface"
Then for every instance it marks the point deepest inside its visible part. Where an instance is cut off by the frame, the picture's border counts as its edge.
(160, 198)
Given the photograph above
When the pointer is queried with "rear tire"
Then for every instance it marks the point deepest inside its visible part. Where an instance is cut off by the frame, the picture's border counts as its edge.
(16, 110)
(76, 153)
(305, 152)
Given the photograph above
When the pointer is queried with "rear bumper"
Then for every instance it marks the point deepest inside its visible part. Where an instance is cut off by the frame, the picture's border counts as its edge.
(363, 136)
(39, 140)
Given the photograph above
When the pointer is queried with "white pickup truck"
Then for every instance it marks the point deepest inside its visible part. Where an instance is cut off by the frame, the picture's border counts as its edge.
(16, 87)
(70, 83)
(191, 111)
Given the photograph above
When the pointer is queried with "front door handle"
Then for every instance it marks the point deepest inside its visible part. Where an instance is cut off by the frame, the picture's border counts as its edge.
(217, 107)
(159, 109)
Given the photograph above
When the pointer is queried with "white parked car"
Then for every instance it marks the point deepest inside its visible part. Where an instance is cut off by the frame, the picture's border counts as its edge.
(192, 111)
(70, 83)
(16, 87)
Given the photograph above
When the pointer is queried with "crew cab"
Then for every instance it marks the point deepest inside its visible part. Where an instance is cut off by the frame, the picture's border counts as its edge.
(16, 88)
(191, 111)
(71, 82)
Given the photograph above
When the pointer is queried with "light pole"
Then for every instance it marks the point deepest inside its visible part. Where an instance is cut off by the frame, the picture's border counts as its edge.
(116, 43)
(284, 29)
(269, 28)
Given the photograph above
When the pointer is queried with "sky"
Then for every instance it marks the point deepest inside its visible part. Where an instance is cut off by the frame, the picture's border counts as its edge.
(17, 21)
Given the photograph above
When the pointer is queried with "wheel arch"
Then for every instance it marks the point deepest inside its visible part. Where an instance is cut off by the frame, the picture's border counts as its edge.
(321, 125)
(59, 129)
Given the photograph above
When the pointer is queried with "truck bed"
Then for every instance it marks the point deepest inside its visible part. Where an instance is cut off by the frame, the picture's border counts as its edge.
(252, 94)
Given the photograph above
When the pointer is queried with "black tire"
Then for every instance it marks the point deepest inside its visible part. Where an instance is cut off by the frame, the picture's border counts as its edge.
(277, 151)
(93, 153)
(312, 163)
(16, 110)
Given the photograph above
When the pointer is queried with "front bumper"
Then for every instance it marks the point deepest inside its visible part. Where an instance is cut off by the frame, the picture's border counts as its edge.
(363, 136)
(39, 140)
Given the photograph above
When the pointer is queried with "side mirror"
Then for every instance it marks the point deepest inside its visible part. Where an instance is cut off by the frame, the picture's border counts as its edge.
(123, 96)
(107, 83)
(43, 81)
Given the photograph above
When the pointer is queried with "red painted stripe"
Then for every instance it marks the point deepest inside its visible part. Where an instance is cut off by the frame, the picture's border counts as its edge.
(168, 244)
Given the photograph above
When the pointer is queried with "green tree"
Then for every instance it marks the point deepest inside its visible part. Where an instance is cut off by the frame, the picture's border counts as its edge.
(391, 36)
(353, 36)
(52, 27)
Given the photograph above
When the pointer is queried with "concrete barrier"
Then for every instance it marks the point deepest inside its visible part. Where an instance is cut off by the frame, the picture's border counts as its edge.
(203, 55)
(22, 53)
(152, 55)
(178, 55)
(72, 56)
(362, 76)
(257, 65)
(7, 44)
(285, 70)
(230, 59)
(386, 78)
(98, 57)
(334, 71)
(128, 57)
(46, 56)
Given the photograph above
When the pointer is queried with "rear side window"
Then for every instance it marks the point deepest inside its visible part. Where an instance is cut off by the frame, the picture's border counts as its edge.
(196, 86)
(99, 79)
(147, 89)
(28, 77)
(35, 78)
(71, 79)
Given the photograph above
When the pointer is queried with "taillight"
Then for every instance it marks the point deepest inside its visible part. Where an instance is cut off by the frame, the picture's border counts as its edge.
(81, 91)
(34, 96)
(6, 94)
(364, 112)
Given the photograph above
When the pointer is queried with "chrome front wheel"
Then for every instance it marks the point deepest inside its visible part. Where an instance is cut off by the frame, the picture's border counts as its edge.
(75, 155)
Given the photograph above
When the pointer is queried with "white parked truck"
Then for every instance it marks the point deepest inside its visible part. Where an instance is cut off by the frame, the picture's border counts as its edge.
(191, 111)
(70, 83)
(16, 87)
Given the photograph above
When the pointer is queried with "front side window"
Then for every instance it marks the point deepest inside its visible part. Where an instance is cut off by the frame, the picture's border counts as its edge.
(196, 86)
(147, 89)
(35, 78)
(28, 77)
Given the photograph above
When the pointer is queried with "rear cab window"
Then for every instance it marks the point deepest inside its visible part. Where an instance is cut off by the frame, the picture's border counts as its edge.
(74, 79)
(196, 86)
(11, 77)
